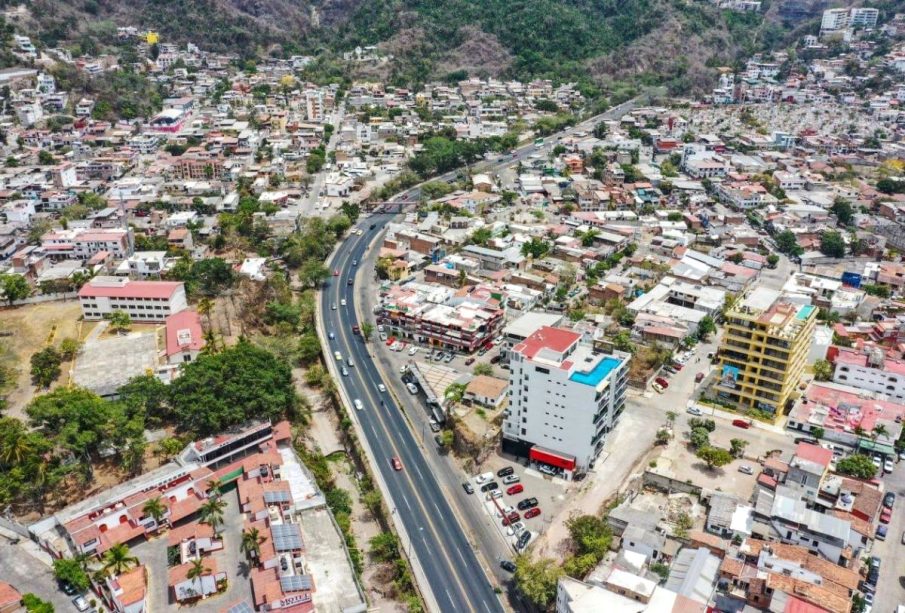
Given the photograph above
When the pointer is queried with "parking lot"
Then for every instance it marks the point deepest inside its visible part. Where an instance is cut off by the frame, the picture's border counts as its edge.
(29, 574)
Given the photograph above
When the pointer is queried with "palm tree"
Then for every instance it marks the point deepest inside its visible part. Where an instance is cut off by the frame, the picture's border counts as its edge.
(155, 508)
(878, 431)
(198, 569)
(251, 542)
(214, 487)
(859, 431)
(13, 452)
(212, 513)
(587, 238)
(118, 559)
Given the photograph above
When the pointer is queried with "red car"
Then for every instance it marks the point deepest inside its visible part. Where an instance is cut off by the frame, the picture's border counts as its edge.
(662, 382)
(396, 462)
(741, 423)
(532, 513)
(515, 489)
(391, 340)
(336, 273)
(886, 516)
(355, 329)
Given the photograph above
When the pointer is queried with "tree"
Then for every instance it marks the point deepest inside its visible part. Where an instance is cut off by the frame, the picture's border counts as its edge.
(737, 447)
(701, 422)
(663, 436)
(45, 158)
(706, 327)
(230, 387)
(372, 500)
(535, 248)
(169, 447)
(590, 535)
(69, 348)
(155, 509)
(537, 580)
(120, 321)
(384, 547)
(197, 569)
(787, 243)
(118, 559)
(252, 540)
(483, 369)
(832, 244)
(878, 431)
(772, 260)
(447, 438)
(15, 287)
(214, 487)
(588, 238)
(823, 370)
(33, 604)
(858, 465)
(367, 329)
(212, 513)
(313, 273)
(843, 211)
(212, 276)
(818, 432)
(71, 571)
(714, 457)
(699, 438)
(45, 367)
(622, 341)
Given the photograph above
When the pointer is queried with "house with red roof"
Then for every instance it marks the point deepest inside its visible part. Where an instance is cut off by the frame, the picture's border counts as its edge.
(185, 337)
(10, 598)
(144, 301)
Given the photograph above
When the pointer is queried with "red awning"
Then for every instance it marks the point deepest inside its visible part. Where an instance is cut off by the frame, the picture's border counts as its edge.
(559, 460)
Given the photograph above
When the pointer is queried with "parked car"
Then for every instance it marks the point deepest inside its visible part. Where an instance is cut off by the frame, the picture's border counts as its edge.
(886, 516)
(493, 495)
(741, 423)
(435, 427)
(744, 468)
(493, 485)
(694, 411)
(532, 513)
(662, 382)
(505, 471)
(413, 350)
(67, 588)
(449, 358)
(507, 565)
(510, 479)
(495, 359)
(518, 488)
(657, 387)
(889, 500)
(515, 528)
(699, 377)
(880, 535)
(527, 503)
(412, 388)
(523, 540)
(888, 466)
(484, 478)
(806, 439)
(469, 361)
(469, 489)
(80, 603)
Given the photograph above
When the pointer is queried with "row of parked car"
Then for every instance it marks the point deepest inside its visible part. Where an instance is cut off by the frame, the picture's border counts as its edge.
(510, 517)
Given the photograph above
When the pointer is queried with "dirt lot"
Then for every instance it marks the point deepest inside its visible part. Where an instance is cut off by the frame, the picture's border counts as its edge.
(33, 327)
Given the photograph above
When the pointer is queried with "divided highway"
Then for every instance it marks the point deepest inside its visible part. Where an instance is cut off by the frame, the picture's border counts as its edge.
(436, 542)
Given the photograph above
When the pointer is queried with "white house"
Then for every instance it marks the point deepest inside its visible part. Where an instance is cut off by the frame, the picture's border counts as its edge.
(143, 300)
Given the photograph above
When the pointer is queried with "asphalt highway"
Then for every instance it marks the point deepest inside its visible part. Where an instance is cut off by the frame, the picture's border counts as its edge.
(439, 545)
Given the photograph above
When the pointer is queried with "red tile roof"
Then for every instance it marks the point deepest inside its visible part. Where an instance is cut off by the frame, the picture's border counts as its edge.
(555, 339)
(184, 332)
(8, 595)
(814, 453)
(131, 289)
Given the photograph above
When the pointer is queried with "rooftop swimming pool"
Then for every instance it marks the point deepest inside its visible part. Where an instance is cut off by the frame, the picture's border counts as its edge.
(805, 311)
(592, 378)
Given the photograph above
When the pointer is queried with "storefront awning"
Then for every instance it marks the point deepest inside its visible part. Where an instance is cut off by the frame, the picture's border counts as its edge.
(553, 458)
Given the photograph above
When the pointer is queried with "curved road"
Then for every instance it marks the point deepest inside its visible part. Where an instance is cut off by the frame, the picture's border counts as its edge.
(437, 542)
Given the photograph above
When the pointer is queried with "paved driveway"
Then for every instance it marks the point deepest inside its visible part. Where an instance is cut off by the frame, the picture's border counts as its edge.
(28, 574)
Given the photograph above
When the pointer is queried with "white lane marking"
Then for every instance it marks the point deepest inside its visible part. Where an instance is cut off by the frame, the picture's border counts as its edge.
(486, 606)
(405, 498)
(448, 595)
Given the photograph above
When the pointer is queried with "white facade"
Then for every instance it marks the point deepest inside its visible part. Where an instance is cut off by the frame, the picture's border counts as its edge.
(863, 17)
(142, 300)
(874, 373)
(563, 396)
(834, 19)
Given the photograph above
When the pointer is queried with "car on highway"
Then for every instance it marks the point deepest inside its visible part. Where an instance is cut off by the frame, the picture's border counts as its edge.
(342, 302)
(349, 281)
(889, 500)
(333, 306)
(518, 488)
(381, 388)
(345, 372)
(515, 528)
(510, 479)
(694, 411)
(468, 487)
(505, 471)
(338, 356)
(331, 335)
(527, 503)
(336, 273)
(412, 388)
(507, 565)
(350, 363)
(354, 262)
(492, 485)
(356, 329)
(396, 463)
(358, 405)
(534, 512)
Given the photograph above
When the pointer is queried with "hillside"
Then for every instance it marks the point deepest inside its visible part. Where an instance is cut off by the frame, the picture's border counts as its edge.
(676, 42)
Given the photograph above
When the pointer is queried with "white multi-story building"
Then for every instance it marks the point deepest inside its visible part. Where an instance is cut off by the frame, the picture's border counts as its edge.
(314, 105)
(863, 17)
(834, 19)
(564, 398)
(142, 300)
(871, 371)
(83, 243)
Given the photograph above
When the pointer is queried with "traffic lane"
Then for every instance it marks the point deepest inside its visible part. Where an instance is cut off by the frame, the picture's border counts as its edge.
(891, 586)
(428, 492)
(365, 385)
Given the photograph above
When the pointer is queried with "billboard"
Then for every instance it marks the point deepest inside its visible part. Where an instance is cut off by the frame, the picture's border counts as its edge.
(851, 279)
(729, 376)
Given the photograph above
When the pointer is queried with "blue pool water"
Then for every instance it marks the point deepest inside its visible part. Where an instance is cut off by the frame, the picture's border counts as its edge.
(603, 368)
(805, 311)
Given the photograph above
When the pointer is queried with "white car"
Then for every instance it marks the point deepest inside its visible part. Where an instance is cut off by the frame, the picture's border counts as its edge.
(483, 478)
(412, 388)
(494, 494)
(413, 350)
(510, 479)
(80, 603)
(342, 302)
(515, 528)
(380, 327)
(888, 466)
(350, 363)
(694, 411)
(358, 405)
(745, 469)
(383, 336)
(381, 388)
